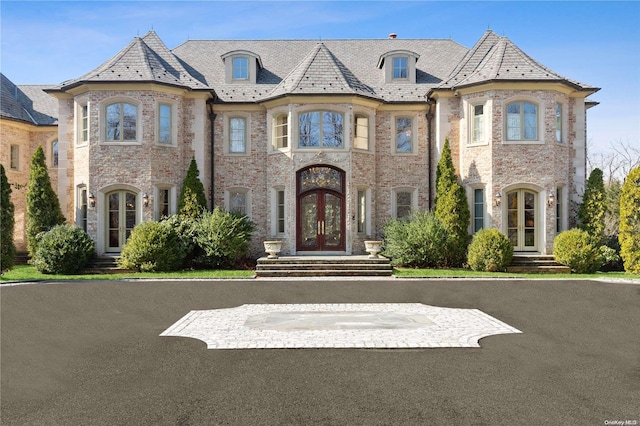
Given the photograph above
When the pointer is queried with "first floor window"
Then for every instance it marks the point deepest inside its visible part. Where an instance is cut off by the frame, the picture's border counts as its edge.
(362, 132)
(237, 135)
(121, 123)
(280, 209)
(15, 157)
(82, 207)
(478, 209)
(54, 153)
(558, 210)
(281, 131)
(321, 129)
(522, 121)
(404, 203)
(559, 123)
(361, 210)
(163, 202)
(164, 123)
(477, 132)
(404, 134)
(238, 202)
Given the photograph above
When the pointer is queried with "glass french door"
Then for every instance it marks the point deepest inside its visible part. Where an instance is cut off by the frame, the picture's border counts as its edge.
(320, 210)
(121, 218)
(521, 220)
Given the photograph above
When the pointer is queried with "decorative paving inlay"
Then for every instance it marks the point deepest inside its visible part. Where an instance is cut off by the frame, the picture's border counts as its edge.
(378, 325)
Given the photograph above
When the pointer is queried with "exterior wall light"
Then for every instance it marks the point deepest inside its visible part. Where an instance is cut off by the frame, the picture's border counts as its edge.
(145, 199)
(498, 199)
(92, 200)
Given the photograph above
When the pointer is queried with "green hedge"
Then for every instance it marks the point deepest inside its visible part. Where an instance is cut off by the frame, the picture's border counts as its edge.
(490, 250)
(578, 250)
(65, 249)
(153, 247)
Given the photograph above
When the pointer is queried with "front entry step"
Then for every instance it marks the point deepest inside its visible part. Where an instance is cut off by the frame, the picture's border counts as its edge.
(324, 266)
(537, 263)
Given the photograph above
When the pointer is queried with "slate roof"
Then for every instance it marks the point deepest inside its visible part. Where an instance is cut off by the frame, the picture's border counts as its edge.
(497, 59)
(29, 104)
(145, 59)
(349, 65)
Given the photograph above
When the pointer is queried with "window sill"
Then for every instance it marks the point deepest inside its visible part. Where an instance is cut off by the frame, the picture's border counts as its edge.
(127, 143)
(523, 142)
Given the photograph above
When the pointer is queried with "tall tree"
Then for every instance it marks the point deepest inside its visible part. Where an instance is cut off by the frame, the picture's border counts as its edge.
(192, 199)
(451, 207)
(593, 208)
(629, 236)
(7, 220)
(43, 206)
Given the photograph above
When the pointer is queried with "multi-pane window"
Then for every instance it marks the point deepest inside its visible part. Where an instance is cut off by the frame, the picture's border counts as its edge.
(559, 123)
(477, 134)
(238, 202)
(281, 131)
(478, 209)
(404, 134)
(15, 157)
(321, 129)
(240, 68)
(122, 118)
(361, 212)
(403, 204)
(362, 132)
(164, 123)
(237, 135)
(558, 210)
(84, 123)
(163, 202)
(55, 158)
(522, 121)
(400, 68)
(280, 209)
(82, 207)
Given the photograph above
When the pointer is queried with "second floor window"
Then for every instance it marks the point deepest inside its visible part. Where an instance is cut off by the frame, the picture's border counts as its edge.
(522, 121)
(54, 154)
(121, 123)
(237, 135)
(321, 129)
(15, 157)
(164, 123)
(559, 123)
(84, 123)
(477, 132)
(404, 134)
(362, 132)
(281, 131)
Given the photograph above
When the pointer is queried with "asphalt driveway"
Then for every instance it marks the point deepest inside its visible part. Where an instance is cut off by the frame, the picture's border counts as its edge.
(90, 354)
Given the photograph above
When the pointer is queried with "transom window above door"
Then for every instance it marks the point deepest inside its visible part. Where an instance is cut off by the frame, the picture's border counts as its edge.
(321, 129)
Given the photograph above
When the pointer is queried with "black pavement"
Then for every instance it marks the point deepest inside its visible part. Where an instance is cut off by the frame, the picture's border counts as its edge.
(89, 353)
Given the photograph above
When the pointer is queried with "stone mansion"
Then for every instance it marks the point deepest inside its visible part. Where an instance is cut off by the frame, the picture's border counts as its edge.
(319, 143)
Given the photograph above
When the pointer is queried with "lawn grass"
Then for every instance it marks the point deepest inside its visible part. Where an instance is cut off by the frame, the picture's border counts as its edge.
(29, 273)
(466, 273)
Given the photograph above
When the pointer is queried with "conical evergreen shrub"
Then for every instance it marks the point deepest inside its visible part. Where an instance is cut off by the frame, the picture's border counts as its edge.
(193, 201)
(7, 221)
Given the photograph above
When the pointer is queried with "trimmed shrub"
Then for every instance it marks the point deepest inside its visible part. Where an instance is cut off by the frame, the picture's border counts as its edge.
(186, 229)
(578, 250)
(153, 247)
(7, 221)
(490, 250)
(420, 241)
(65, 249)
(451, 208)
(192, 199)
(223, 238)
(43, 206)
(630, 222)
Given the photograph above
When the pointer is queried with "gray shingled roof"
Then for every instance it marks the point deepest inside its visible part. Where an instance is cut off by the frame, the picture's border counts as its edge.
(496, 58)
(350, 65)
(29, 104)
(145, 59)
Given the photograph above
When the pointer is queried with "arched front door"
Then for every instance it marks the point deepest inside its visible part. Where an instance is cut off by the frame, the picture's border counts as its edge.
(522, 213)
(320, 209)
(121, 218)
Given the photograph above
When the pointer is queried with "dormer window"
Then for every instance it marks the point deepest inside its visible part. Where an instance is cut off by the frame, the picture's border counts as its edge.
(241, 66)
(399, 66)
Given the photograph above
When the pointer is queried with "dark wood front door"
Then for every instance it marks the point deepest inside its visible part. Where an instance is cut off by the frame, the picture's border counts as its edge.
(320, 209)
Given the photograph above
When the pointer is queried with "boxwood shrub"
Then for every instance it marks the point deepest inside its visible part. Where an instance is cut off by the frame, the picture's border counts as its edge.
(64, 249)
(578, 250)
(490, 250)
(153, 247)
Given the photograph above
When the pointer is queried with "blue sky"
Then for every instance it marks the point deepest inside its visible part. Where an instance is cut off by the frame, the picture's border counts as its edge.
(47, 42)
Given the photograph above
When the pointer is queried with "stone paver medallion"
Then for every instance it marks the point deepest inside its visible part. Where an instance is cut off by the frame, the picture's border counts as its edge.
(377, 325)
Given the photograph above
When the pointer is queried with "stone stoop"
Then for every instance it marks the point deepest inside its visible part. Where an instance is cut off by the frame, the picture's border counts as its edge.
(324, 266)
(537, 263)
(22, 258)
(104, 264)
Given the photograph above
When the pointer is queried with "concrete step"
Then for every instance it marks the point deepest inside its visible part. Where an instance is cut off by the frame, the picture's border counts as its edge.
(537, 264)
(323, 273)
(323, 266)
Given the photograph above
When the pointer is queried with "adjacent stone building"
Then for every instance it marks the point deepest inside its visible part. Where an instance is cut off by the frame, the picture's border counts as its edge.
(320, 143)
